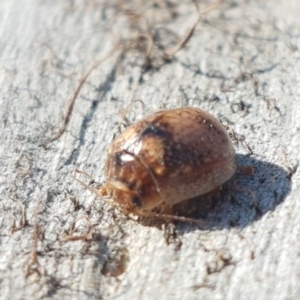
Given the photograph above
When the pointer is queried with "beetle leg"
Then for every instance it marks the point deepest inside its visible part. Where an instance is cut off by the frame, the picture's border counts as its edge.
(169, 217)
(247, 170)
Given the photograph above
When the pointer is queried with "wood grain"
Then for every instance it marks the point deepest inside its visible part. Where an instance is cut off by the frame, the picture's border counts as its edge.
(60, 241)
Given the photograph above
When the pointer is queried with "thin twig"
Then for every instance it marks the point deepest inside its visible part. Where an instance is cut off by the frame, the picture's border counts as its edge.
(74, 97)
(169, 54)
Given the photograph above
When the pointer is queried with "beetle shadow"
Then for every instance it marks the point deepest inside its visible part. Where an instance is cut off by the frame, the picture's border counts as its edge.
(243, 200)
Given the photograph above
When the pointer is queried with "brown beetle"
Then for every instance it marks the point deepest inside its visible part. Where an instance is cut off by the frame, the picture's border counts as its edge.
(168, 157)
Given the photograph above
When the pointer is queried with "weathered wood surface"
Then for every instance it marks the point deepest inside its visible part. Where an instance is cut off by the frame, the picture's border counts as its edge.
(241, 64)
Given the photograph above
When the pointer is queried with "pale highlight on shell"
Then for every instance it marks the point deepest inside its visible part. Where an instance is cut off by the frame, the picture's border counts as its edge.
(168, 157)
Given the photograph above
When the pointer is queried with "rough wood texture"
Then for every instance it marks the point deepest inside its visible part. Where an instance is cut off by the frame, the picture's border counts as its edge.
(241, 64)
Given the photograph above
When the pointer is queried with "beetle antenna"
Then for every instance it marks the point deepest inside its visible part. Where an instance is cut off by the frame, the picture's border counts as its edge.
(88, 187)
(102, 192)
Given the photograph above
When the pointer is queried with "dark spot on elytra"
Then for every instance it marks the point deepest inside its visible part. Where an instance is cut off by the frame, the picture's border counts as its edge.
(179, 154)
(155, 131)
(118, 159)
(137, 202)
